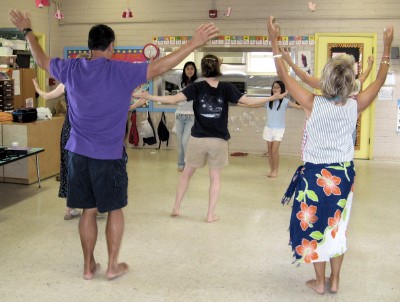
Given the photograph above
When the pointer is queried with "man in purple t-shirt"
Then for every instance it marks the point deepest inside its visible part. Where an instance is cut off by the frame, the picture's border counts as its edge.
(99, 98)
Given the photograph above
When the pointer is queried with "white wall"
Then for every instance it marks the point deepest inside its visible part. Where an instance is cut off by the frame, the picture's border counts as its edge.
(173, 17)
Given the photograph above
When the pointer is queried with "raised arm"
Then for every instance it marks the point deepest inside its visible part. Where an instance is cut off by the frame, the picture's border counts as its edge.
(55, 93)
(164, 99)
(294, 105)
(367, 71)
(253, 101)
(366, 97)
(172, 78)
(23, 23)
(304, 77)
(301, 95)
(202, 34)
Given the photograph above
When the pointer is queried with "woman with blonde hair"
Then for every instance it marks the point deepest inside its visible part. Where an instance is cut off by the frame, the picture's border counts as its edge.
(323, 187)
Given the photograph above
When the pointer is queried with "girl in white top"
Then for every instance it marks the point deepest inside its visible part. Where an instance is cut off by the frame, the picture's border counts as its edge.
(276, 122)
(275, 127)
(184, 116)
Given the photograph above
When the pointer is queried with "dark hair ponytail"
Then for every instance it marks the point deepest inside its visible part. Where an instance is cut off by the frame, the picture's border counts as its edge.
(210, 66)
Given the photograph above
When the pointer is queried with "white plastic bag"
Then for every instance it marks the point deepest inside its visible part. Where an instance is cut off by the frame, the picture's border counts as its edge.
(43, 113)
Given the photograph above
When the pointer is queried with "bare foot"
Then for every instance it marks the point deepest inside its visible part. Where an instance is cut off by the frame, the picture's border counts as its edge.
(175, 213)
(319, 288)
(95, 267)
(121, 269)
(334, 285)
(272, 175)
(212, 219)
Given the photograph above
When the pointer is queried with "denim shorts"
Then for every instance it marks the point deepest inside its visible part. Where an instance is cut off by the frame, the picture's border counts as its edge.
(97, 183)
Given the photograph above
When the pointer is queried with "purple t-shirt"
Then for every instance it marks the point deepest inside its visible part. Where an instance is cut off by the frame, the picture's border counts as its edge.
(99, 94)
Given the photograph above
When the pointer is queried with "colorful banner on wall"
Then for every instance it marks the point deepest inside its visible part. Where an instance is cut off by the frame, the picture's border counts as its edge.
(120, 54)
(237, 40)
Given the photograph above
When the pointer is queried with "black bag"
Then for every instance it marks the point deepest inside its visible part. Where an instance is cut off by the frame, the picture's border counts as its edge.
(162, 131)
(25, 115)
(146, 126)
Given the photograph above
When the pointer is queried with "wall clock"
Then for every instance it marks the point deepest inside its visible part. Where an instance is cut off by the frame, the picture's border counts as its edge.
(151, 51)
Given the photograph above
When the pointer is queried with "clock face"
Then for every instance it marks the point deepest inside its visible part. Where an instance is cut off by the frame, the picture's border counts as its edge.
(151, 51)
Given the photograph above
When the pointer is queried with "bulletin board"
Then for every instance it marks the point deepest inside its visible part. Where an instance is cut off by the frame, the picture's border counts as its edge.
(129, 54)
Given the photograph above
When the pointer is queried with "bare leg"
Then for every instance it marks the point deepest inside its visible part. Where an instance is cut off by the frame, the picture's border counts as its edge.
(184, 180)
(269, 146)
(114, 231)
(273, 150)
(88, 234)
(336, 265)
(215, 186)
(318, 284)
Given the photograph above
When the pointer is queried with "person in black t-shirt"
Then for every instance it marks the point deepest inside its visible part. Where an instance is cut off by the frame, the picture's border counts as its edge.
(209, 136)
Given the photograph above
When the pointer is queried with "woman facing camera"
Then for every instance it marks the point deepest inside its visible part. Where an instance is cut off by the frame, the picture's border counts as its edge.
(184, 116)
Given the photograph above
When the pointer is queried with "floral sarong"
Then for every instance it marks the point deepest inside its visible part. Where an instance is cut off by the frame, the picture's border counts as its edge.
(321, 210)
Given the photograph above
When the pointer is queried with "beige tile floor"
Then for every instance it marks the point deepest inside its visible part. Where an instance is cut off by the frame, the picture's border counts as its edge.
(242, 257)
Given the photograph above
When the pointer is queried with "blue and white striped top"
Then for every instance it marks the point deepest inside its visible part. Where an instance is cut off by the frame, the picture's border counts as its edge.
(328, 132)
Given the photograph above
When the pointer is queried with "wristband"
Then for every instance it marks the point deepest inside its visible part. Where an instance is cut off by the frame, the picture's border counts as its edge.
(25, 31)
(385, 62)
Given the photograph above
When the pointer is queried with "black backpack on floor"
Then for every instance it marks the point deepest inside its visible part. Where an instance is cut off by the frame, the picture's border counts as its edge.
(162, 131)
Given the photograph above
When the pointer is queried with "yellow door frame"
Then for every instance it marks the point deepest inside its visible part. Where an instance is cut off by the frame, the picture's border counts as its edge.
(40, 73)
(369, 40)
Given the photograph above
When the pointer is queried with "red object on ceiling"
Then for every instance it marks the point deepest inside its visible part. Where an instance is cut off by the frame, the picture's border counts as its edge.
(41, 3)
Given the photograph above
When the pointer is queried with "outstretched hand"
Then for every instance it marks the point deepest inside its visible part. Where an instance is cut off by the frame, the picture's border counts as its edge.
(142, 95)
(20, 20)
(35, 83)
(285, 55)
(137, 104)
(371, 60)
(204, 33)
(388, 35)
(273, 28)
(280, 96)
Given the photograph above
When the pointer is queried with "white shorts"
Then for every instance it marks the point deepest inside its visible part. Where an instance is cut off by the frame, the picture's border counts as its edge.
(271, 134)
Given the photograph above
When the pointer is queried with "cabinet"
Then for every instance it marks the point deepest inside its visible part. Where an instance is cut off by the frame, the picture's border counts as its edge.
(44, 134)
(23, 88)
(6, 95)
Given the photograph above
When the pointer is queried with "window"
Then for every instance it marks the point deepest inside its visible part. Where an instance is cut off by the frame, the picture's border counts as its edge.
(260, 63)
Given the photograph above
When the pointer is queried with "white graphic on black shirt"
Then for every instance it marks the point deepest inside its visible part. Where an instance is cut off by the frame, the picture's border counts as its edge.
(211, 108)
